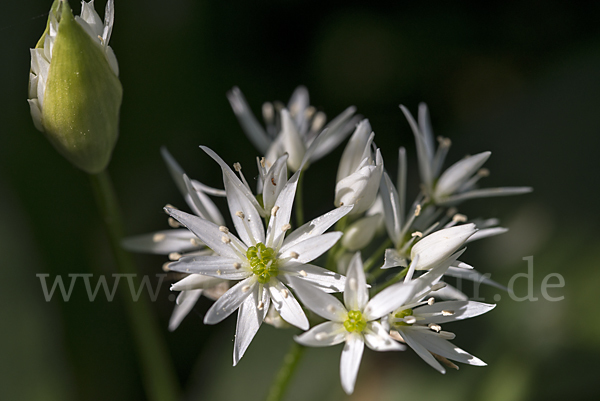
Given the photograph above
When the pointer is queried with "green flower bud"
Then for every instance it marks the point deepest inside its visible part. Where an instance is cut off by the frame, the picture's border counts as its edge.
(74, 89)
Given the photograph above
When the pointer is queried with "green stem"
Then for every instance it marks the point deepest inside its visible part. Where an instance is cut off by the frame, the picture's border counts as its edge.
(287, 369)
(369, 263)
(158, 374)
(300, 201)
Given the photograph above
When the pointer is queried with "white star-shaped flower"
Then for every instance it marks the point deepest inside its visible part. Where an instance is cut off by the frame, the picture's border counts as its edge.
(263, 262)
(356, 321)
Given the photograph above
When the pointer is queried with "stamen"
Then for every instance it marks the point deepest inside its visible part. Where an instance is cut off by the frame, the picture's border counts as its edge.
(446, 335)
(431, 301)
(246, 288)
(459, 218)
(318, 121)
(302, 273)
(417, 234)
(435, 327)
(396, 336)
(274, 211)
(225, 239)
(294, 255)
(173, 223)
(165, 267)
(483, 172)
(286, 227)
(174, 256)
(223, 229)
(218, 272)
(158, 237)
(309, 111)
(262, 162)
(168, 205)
(447, 312)
(260, 305)
(194, 242)
(417, 210)
(240, 214)
(445, 142)
(237, 167)
(237, 265)
(268, 112)
(451, 212)
(284, 292)
(410, 319)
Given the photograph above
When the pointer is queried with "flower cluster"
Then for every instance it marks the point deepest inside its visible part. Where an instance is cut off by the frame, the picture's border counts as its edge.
(263, 266)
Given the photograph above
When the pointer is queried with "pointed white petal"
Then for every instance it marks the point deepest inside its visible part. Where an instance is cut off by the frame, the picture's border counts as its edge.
(315, 227)
(356, 294)
(473, 275)
(207, 231)
(251, 127)
(185, 302)
(452, 310)
(350, 361)
(353, 153)
(445, 348)
(325, 305)
(323, 335)
(163, 242)
(487, 232)
(211, 265)
(287, 306)
(323, 279)
(424, 153)
(484, 193)
(274, 181)
(451, 293)
(291, 141)
(249, 320)
(425, 128)
(459, 173)
(389, 299)
(241, 199)
(230, 301)
(391, 207)
(311, 248)
(360, 233)
(337, 130)
(195, 282)
(378, 339)
(436, 247)
(89, 15)
(413, 339)
(283, 205)
(36, 114)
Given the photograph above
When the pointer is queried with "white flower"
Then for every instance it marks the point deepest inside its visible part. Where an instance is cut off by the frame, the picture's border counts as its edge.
(292, 129)
(360, 233)
(179, 242)
(457, 183)
(355, 322)
(417, 323)
(359, 172)
(263, 262)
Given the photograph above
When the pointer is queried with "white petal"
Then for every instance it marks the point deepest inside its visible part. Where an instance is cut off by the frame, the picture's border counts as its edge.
(299, 101)
(109, 20)
(315, 227)
(413, 339)
(326, 280)
(325, 305)
(337, 130)
(378, 339)
(473, 275)
(439, 245)
(455, 310)
(36, 114)
(207, 231)
(451, 293)
(323, 335)
(484, 193)
(287, 306)
(352, 156)
(163, 242)
(274, 181)
(445, 348)
(391, 207)
(459, 173)
(211, 265)
(185, 303)
(230, 301)
(389, 299)
(251, 127)
(393, 259)
(249, 320)
(356, 293)
(360, 233)
(350, 361)
(89, 15)
(291, 141)
(424, 152)
(311, 248)
(284, 203)
(487, 232)
(195, 282)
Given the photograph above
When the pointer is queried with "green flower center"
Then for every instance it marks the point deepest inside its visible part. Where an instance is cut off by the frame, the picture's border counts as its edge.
(263, 261)
(355, 321)
(401, 315)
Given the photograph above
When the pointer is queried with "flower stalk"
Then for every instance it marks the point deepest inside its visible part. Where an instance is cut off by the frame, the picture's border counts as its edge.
(286, 371)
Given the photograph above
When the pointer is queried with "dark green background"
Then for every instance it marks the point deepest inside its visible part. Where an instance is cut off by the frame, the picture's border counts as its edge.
(521, 79)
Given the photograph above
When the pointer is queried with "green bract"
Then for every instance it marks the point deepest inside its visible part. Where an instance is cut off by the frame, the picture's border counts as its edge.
(75, 94)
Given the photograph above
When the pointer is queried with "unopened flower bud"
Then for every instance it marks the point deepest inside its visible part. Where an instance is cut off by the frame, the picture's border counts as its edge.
(74, 89)
(360, 233)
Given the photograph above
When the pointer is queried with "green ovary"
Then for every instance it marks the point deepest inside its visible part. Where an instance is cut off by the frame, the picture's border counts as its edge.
(401, 315)
(355, 321)
(263, 261)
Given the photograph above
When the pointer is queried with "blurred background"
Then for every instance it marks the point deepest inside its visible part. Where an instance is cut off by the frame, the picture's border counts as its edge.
(521, 79)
